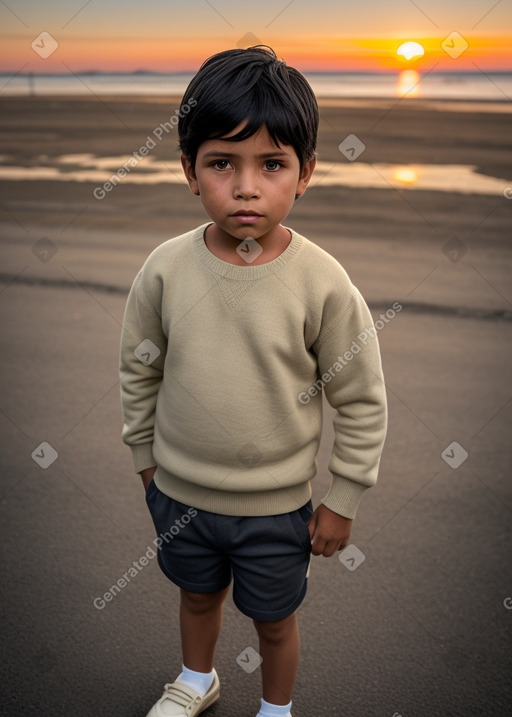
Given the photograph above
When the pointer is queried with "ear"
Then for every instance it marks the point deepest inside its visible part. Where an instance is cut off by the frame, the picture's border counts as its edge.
(304, 177)
(190, 174)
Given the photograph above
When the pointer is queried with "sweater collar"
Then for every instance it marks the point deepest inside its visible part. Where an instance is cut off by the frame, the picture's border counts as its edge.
(233, 271)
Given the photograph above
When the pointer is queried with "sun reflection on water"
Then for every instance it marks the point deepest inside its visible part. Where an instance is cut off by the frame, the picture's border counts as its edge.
(408, 84)
(406, 175)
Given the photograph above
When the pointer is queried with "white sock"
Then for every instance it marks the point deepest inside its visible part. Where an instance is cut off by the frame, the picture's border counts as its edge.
(269, 710)
(200, 682)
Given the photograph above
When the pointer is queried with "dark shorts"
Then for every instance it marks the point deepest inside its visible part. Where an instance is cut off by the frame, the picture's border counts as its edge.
(267, 557)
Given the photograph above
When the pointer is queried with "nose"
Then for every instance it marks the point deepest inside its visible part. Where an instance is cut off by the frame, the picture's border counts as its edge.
(246, 184)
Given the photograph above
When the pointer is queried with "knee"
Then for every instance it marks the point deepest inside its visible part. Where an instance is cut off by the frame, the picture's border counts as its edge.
(201, 603)
(275, 632)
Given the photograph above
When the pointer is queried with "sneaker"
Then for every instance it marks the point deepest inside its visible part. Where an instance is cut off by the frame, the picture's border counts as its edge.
(179, 700)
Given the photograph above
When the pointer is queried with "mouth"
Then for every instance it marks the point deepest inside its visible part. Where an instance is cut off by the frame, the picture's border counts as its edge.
(246, 216)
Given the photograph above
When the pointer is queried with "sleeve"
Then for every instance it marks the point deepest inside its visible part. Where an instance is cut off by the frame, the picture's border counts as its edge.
(142, 355)
(351, 373)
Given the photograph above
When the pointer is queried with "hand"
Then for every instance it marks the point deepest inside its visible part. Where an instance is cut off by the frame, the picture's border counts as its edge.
(329, 531)
(147, 476)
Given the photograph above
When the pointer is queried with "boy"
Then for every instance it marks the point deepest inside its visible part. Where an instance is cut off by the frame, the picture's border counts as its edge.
(231, 332)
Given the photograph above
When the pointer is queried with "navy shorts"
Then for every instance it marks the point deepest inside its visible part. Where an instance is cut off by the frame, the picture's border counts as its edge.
(266, 557)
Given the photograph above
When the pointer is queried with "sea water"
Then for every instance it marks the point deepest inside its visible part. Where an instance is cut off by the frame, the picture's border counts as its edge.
(474, 86)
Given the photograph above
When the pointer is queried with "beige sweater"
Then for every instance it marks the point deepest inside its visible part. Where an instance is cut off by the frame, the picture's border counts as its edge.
(222, 371)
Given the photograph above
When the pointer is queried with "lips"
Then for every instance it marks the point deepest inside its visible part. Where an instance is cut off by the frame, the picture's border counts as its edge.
(246, 216)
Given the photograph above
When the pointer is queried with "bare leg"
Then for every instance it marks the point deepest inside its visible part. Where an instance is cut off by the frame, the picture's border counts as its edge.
(200, 623)
(280, 651)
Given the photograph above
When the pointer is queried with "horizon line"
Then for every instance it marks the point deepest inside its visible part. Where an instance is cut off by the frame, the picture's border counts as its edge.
(462, 71)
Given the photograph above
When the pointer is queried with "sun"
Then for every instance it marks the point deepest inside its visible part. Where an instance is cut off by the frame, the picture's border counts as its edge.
(410, 50)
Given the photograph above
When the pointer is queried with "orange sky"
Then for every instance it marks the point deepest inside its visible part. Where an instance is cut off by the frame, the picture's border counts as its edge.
(306, 53)
(115, 35)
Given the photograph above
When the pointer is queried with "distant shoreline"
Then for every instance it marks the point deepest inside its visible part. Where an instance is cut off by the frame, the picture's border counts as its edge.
(173, 99)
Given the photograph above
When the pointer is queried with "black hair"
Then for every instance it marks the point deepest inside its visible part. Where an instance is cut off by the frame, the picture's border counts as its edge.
(253, 86)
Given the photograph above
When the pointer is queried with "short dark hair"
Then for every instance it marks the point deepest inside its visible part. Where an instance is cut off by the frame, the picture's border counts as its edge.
(253, 86)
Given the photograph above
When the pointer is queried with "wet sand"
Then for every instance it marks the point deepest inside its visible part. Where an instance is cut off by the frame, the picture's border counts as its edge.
(33, 130)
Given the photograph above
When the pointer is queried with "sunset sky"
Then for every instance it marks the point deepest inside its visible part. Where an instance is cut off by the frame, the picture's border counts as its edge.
(321, 35)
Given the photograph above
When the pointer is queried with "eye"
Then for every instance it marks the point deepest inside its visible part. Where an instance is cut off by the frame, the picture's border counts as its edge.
(220, 164)
(272, 165)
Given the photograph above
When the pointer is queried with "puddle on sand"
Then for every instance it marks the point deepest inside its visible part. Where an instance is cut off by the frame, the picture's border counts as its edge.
(130, 169)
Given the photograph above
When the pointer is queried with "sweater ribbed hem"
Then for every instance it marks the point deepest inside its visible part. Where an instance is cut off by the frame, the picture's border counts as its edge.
(344, 496)
(251, 503)
(247, 273)
(143, 456)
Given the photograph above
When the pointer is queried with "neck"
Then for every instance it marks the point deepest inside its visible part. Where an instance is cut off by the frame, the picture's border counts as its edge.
(224, 245)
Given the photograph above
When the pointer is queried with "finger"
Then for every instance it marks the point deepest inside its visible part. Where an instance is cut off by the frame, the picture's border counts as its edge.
(317, 547)
(329, 549)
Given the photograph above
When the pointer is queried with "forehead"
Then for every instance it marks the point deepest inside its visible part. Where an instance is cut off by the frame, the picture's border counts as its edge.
(257, 144)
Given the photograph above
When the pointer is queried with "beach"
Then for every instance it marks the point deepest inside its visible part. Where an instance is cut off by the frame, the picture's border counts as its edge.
(385, 224)
(422, 626)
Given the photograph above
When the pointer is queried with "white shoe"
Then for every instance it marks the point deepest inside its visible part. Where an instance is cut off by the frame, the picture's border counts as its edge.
(179, 700)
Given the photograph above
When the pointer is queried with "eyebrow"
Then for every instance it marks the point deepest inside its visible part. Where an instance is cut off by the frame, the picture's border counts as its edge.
(229, 155)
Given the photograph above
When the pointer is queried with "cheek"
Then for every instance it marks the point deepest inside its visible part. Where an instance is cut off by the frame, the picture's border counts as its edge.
(212, 187)
(213, 196)
(287, 186)
(286, 192)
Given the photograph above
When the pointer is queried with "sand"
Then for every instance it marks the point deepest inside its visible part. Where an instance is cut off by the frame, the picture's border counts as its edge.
(405, 233)
(397, 132)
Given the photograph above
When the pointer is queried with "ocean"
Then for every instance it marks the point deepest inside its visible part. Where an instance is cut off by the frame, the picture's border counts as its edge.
(474, 86)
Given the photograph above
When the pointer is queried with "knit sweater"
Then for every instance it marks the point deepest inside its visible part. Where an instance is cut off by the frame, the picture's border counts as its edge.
(222, 371)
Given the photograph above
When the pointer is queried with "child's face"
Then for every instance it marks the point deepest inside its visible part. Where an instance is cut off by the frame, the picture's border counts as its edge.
(247, 188)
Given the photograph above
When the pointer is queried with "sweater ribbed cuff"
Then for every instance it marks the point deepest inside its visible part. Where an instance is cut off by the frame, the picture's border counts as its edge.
(143, 456)
(344, 496)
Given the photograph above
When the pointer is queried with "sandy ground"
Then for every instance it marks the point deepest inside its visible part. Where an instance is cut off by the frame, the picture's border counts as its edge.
(422, 626)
